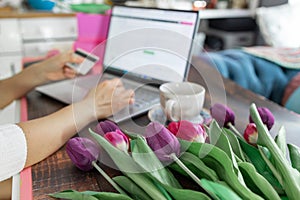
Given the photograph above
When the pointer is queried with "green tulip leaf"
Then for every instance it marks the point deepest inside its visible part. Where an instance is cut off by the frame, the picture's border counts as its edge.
(129, 167)
(294, 156)
(199, 168)
(111, 196)
(260, 165)
(182, 194)
(131, 188)
(290, 176)
(218, 160)
(131, 135)
(219, 139)
(72, 194)
(89, 195)
(263, 151)
(175, 167)
(223, 192)
(234, 142)
(284, 198)
(146, 158)
(162, 189)
(257, 183)
(280, 140)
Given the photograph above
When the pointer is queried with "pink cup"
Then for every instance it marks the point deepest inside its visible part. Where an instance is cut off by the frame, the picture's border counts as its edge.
(92, 27)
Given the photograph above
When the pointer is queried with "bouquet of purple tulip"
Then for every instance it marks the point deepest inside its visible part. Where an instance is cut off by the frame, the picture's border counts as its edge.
(224, 163)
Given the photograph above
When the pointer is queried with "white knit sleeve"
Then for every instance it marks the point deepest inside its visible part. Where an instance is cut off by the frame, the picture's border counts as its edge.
(13, 150)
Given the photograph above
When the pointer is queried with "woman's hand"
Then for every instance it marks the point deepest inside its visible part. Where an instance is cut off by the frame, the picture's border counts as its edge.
(53, 68)
(108, 98)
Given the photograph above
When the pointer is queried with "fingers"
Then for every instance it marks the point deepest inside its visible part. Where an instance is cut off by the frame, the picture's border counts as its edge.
(121, 94)
(113, 84)
(69, 73)
(130, 95)
(76, 59)
(111, 96)
(67, 56)
(116, 83)
(121, 98)
(70, 56)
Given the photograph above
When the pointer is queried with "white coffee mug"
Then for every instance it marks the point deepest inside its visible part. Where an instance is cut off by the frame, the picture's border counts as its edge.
(182, 100)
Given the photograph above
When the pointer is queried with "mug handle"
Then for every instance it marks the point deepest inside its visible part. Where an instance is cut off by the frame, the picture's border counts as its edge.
(170, 108)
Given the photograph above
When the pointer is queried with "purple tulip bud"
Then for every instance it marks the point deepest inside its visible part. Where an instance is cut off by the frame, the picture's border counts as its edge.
(188, 131)
(105, 127)
(118, 139)
(82, 152)
(222, 114)
(161, 141)
(251, 134)
(266, 116)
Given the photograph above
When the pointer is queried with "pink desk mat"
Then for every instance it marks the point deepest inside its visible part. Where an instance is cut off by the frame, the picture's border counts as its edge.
(25, 175)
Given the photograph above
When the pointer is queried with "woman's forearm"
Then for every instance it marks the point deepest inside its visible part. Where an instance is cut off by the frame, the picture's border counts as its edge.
(18, 85)
(6, 189)
(47, 134)
(51, 69)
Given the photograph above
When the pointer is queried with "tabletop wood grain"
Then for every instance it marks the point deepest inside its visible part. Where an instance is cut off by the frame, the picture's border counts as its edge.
(57, 173)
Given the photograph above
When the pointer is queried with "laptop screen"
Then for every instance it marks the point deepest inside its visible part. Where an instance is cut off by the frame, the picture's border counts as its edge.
(151, 43)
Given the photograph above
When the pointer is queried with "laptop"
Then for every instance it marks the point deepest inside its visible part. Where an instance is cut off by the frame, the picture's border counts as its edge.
(145, 47)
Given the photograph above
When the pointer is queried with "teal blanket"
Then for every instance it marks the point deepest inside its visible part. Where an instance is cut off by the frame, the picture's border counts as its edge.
(256, 74)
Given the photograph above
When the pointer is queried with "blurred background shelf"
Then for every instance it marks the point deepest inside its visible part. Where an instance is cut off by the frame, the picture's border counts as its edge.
(225, 13)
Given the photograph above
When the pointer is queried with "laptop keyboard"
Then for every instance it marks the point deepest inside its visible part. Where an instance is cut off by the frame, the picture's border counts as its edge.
(140, 106)
(146, 96)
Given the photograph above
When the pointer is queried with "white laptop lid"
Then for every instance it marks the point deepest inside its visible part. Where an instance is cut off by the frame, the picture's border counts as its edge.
(151, 43)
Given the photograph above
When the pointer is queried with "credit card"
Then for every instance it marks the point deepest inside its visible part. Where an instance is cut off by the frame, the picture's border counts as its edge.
(88, 63)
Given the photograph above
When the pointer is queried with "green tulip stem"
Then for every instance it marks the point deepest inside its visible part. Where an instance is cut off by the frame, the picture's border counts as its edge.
(189, 172)
(108, 178)
(234, 130)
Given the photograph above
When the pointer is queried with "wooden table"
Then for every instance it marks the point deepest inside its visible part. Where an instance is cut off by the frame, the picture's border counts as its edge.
(57, 173)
